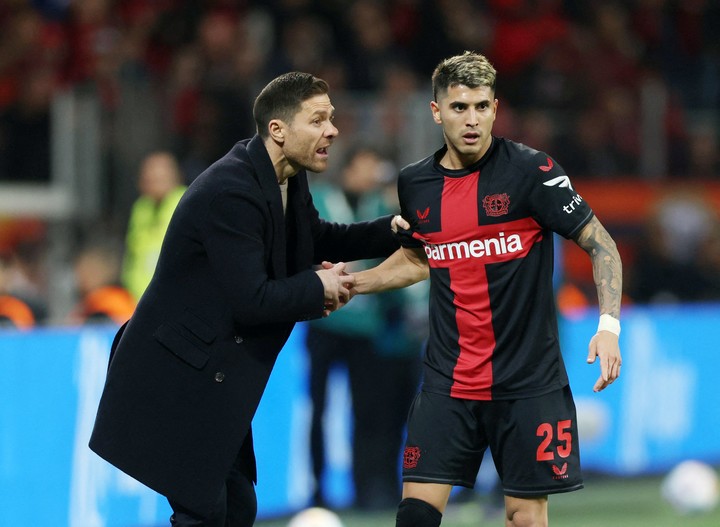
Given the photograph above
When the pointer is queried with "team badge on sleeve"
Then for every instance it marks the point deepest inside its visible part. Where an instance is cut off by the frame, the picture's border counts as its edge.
(411, 457)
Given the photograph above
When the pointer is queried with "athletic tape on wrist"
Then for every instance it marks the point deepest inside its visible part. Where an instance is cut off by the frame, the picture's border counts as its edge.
(609, 323)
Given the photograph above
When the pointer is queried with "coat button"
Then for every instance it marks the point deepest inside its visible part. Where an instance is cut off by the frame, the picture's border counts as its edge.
(238, 339)
(219, 377)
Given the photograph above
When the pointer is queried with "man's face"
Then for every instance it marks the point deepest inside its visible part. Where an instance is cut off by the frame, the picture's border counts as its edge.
(310, 134)
(466, 116)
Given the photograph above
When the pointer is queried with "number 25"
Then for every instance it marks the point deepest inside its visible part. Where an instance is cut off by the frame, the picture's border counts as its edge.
(545, 430)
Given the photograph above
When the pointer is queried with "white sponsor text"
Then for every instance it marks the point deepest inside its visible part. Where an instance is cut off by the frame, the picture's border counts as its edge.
(474, 248)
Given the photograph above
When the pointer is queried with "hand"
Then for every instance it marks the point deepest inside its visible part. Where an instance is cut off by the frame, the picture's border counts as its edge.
(398, 222)
(349, 284)
(604, 344)
(336, 283)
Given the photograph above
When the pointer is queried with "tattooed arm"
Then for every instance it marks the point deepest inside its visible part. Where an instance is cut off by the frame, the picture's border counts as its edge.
(607, 267)
(607, 273)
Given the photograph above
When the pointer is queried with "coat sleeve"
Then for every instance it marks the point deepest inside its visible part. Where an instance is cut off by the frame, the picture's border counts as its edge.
(337, 242)
(236, 250)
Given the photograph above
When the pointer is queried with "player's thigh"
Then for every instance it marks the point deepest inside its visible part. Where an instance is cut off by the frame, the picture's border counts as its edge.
(445, 441)
(436, 494)
(534, 442)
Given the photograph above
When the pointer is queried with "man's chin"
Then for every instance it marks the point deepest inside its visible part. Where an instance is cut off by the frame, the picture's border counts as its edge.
(318, 166)
(470, 151)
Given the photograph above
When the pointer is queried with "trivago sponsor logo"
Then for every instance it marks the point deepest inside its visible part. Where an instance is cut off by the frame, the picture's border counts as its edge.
(570, 207)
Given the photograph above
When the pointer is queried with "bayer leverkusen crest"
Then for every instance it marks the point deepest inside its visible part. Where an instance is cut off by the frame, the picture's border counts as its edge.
(411, 456)
(496, 204)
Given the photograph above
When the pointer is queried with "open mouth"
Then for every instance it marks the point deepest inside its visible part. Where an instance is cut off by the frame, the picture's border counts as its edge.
(322, 151)
(471, 137)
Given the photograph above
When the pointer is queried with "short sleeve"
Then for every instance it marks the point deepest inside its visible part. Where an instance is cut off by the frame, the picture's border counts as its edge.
(553, 199)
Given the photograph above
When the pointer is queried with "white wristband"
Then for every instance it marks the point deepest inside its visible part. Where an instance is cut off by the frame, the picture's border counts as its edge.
(609, 323)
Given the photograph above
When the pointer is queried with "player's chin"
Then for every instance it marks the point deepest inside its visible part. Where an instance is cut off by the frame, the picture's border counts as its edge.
(470, 148)
(466, 150)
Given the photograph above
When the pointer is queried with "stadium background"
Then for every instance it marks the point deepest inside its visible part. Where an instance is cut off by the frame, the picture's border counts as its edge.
(624, 94)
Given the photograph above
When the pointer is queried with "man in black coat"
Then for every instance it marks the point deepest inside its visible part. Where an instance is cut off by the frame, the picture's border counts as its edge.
(234, 276)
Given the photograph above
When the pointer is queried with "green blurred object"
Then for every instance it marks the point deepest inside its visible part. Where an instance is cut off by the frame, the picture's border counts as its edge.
(605, 502)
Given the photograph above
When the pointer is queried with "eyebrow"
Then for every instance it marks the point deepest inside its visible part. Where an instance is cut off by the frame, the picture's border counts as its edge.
(324, 111)
(465, 103)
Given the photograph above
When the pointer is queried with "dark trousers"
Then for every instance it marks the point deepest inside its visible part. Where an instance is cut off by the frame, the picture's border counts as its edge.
(237, 503)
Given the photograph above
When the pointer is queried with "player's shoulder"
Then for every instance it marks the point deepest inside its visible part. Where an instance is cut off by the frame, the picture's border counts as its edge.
(420, 166)
(518, 154)
(527, 160)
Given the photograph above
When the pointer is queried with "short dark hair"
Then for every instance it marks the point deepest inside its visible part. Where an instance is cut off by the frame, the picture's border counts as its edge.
(283, 96)
(469, 69)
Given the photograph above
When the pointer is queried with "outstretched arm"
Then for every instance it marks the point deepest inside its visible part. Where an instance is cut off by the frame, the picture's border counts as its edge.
(402, 268)
(607, 273)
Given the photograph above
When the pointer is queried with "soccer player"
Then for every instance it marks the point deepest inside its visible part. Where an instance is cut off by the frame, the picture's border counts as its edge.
(480, 216)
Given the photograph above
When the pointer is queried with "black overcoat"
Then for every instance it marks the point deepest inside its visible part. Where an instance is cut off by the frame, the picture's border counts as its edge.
(234, 276)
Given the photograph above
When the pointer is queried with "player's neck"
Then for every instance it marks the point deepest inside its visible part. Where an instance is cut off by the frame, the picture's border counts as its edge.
(454, 160)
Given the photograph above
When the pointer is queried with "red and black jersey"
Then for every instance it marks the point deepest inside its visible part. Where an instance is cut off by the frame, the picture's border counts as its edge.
(487, 232)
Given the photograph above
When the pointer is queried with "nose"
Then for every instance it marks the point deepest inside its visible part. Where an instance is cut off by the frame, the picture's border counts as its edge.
(472, 117)
(331, 130)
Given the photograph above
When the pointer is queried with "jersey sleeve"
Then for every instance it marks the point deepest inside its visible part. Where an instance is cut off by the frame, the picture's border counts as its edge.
(553, 199)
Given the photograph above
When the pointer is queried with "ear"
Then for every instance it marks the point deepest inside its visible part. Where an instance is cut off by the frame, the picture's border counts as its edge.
(435, 112)
(276, 128)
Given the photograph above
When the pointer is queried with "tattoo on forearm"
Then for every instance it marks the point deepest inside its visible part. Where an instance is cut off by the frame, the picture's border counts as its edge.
(607, 267)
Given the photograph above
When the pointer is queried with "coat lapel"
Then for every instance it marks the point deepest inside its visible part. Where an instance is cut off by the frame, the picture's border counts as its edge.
(271, 191)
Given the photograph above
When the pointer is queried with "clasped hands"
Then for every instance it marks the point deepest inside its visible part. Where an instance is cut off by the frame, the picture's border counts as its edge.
(338, 284)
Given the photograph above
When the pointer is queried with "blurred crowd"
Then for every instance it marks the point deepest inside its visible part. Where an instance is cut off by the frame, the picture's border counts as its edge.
(612, 89)
(572, 74)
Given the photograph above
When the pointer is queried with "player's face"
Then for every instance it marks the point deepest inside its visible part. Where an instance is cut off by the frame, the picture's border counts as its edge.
(310, 134)
(466, 116)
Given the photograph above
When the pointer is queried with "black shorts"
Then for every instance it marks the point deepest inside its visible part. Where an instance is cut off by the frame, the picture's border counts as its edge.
(533, 441)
